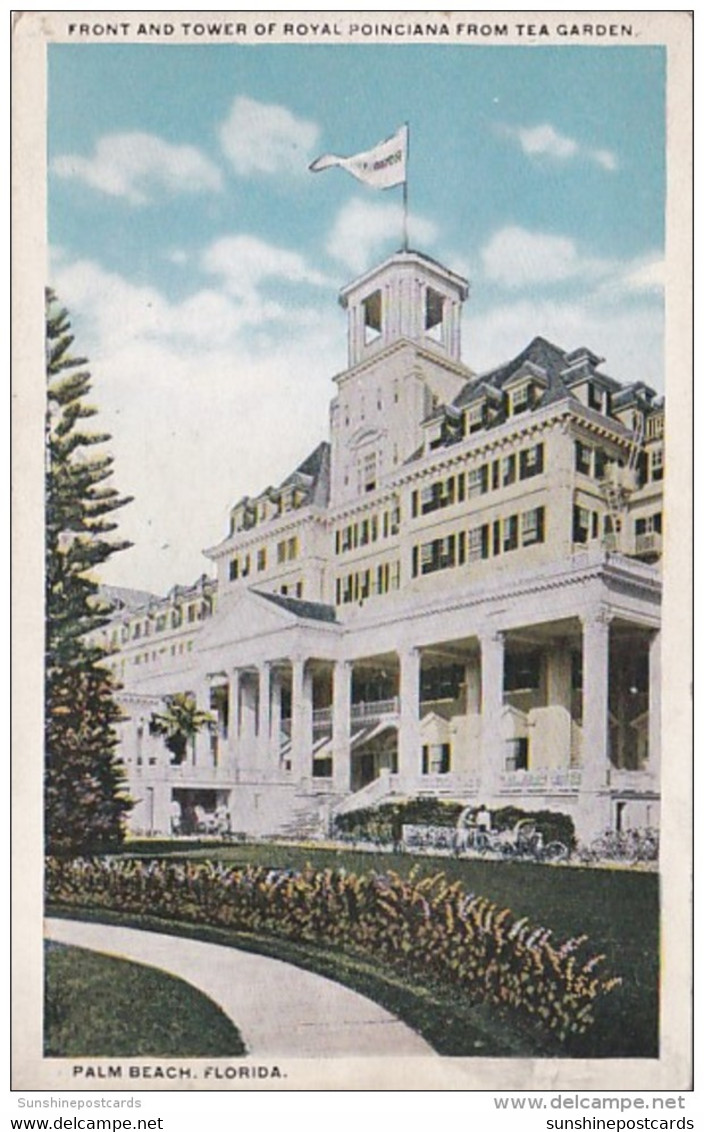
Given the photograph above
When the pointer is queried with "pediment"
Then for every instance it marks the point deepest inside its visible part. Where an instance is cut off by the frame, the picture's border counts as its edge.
(241, 617)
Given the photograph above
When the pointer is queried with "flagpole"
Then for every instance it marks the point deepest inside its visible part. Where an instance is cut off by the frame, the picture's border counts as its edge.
(405, 189)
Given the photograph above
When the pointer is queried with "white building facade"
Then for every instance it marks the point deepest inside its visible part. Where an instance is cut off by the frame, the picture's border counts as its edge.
(458, 595)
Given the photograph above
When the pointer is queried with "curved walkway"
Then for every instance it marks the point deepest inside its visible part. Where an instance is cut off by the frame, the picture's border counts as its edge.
(278, 1009)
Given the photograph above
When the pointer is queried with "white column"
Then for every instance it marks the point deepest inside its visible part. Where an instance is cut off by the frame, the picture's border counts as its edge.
(409, 753)
(233, 729)
(301, 721)
(200, 750)
(654, 706)
(341, 719)
(595, 702)
(472, 678)
(493, 749)
(264, 700)
(275, 746)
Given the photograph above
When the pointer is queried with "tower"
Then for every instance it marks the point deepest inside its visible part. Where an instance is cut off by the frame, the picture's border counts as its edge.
(404, 344)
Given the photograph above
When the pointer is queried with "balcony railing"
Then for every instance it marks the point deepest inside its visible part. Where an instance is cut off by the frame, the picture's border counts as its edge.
(375, 709)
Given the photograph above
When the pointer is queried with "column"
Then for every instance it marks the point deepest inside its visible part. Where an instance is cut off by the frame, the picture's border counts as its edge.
(264, 700)
(409, 754)
(493, 647)
(301, 720)
(275, 745)
(595, 702)
(233, 732)
(341, 720)
(199, 753)
(472, 678)
(654, 707)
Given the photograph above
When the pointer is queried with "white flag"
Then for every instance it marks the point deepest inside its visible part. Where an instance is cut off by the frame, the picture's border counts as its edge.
(382, 167)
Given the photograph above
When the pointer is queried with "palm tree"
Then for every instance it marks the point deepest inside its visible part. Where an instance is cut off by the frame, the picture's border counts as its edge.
(179, 724)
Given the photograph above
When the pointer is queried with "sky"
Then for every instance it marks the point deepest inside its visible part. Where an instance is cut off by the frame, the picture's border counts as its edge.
(200, 260)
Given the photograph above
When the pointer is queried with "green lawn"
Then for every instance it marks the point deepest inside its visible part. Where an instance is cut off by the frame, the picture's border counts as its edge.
(98, 1006)
(618, 909)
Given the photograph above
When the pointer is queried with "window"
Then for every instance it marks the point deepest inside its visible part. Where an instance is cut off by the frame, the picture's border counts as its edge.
(292, 548)
(478, 543)
(649, 524)
(369, 471)
(161, 620)
(440, 554)
(531, 461)
(656, 464)
(580, 524)
(245, 566)
(176, 618)
(582, 458)
(518, 759)
(281, 552)
(434, 309)
(520, 399)
(436, 759)
(234, 569)
(508, 467)
(510, 533)
(477, 481)
(597, 398)
(476, 417)
(299, 589)
(533, 526)
(371, 308)
(191, 614)
(261, 559)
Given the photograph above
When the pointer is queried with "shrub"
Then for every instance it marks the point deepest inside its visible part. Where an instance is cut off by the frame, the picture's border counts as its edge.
(426, 926)
(382, 824)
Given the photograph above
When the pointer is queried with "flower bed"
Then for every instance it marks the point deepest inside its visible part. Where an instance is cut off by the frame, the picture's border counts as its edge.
(412, 924)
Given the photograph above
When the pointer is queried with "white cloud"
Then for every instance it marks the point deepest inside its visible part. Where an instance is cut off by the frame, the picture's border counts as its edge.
(629, 335)
(516, 257)
(204, 404)
(244, 262)
(544, 141)
(362, 228)
(645, 275)
(138, 167)
(259, 137)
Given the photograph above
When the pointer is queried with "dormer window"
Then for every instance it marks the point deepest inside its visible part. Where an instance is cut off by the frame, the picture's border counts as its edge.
(371, 307)
(476, 416)
(520, 399)
(597, 398)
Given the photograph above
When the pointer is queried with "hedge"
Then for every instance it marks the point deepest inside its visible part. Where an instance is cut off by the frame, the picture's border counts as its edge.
(416, 925)
(383, 823)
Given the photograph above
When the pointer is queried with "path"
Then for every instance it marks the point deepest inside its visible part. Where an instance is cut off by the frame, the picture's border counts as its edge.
(277, 1008)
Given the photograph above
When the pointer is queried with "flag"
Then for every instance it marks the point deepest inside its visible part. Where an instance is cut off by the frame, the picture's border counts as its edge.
(382, 167)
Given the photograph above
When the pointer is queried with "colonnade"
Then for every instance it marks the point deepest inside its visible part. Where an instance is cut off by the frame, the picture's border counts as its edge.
(251, 741)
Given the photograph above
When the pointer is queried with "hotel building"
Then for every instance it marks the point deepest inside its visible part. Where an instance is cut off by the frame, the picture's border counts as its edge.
(457, 595)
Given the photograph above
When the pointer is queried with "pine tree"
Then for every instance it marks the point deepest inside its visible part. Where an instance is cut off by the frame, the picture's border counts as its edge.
(85, 799)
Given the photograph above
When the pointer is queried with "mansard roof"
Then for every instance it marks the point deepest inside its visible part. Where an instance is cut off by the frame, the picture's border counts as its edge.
(316, 467)
(541, 353)
(121, 597)
(309, 610)
(560, 369)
